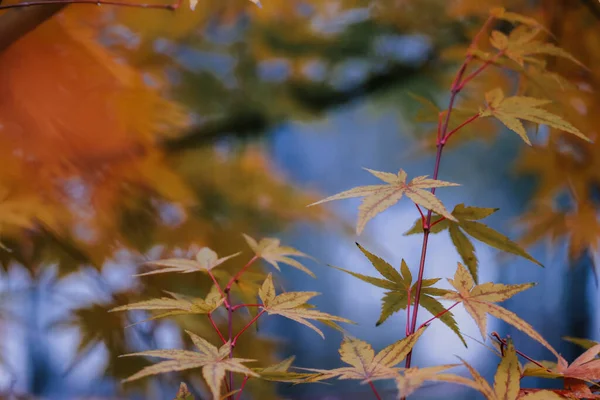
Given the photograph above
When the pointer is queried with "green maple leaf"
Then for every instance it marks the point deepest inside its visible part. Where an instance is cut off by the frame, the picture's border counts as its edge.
(467, 224)
(398, 284)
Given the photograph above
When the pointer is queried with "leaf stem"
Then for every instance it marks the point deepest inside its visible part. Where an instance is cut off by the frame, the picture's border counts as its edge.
(212, 276)
(173, 6)
(374, 389)
(455, 89)
(422, 215)
(248, 325)
(240, 272)
(468, 121)
(212, 322)
(438, 315)
(230, 334)
(437, 222)
(483, 66)
(239, 396)
(407, 330)
(237, 307)
(525, 356)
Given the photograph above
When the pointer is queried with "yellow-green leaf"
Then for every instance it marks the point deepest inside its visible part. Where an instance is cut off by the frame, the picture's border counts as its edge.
(585, 343)
(435, 308)
(495, 239)
(382, 283)
(383, 267)
(465, 249)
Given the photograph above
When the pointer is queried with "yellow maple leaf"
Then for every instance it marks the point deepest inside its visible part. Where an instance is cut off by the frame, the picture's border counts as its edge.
(292, 305)
(367, 366)
(176, 305)
(479, 300)
(506, 380)
(205, 260)
(378, 198)
(510, 110)
(271, 250)
(213, 361)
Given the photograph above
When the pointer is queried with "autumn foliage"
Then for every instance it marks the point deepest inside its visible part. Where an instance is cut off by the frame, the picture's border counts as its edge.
(111, 137)
(522, 48)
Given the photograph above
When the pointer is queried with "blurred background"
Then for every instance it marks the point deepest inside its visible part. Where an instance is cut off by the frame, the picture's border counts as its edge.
(132, 134)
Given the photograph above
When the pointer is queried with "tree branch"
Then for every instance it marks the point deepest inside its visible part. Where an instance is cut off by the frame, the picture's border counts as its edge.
(16, 23)
(316, 98)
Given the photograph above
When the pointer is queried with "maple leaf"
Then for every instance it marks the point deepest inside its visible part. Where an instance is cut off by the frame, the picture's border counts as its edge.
(271, 250)
(177, 305)
(506, 380)
(584, 369)
(380, 197)
(184, 393)
(292, 305)
(398, 285)
(280, 373)
(213, 361)
(467, 217)
(411, 379)
(520, 46)
(479, 300)
(501, 13)
(365, 365)
(512, 109)
(205, 260)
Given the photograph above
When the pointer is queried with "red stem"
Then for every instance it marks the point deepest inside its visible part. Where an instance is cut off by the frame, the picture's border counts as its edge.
(240, 272)
(437, 222)
(421, 212)
(230, 334)
(219, 288)
(503, 343)
(212, 322)
(374, 391)
(407, 330)
(239, 396)
(468, 121)
(455, 89)
(237, 307)
(438, 315)
(173, 6)
(483, 66)
(248, 325)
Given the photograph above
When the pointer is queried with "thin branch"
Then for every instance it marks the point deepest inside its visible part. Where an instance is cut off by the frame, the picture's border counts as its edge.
(16, 23)
(455, 89)
(374, 390)
(26, 4)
